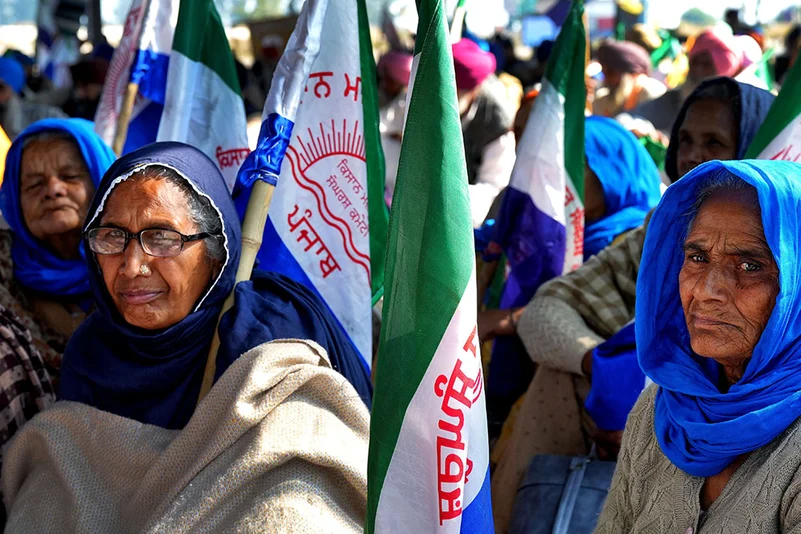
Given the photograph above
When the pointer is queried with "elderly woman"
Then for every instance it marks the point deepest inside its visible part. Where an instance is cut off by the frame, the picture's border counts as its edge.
(714, 448)
(281, 439)
(621, 187)
(52, 170)
(163, 242)
(572, 315)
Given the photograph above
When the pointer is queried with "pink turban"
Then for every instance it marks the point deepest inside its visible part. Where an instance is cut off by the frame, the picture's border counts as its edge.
(397, 65)
(725, 53)
(750, 49)
(472, 64)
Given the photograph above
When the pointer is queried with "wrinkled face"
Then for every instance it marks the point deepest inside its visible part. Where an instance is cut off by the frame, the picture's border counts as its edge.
(729, 280)
(708, 132)
(170, 288)
(55, 189)
(702, 67)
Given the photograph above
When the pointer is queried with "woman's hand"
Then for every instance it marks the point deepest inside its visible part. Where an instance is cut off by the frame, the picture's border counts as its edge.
(607, 444)
(494, 323)
(586, 364)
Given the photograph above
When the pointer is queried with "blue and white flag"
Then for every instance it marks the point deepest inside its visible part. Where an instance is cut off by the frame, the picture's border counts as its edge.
(320, 137)
(142, 57)
(541, 222)
(178, 54)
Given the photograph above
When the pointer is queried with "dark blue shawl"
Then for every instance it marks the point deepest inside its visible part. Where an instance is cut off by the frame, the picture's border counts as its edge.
(35, 266)
(155, 376)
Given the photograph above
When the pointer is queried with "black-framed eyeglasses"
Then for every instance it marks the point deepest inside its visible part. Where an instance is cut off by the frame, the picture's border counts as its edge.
(158, 242)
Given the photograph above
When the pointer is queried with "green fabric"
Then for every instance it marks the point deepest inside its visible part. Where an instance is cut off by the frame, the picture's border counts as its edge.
(495, 290)
(656, 150)
(570, 49)
(430, 256)
(376, 173)
(200, 36)
(764, 70)
(785, 109)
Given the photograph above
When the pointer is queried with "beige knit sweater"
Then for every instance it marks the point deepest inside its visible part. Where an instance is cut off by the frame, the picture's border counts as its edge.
(651, 495)
(278, 445)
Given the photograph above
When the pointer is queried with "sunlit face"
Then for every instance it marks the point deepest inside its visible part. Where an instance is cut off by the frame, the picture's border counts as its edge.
(170, 288)
(709, 132)
(55, 189)
(702, 67)
(729, 280)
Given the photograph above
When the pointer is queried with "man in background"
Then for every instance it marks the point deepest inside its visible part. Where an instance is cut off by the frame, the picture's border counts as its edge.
(487, 119)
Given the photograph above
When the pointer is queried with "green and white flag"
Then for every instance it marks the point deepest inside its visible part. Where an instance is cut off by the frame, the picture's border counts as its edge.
(779, 137)
(203, 105)
(177, 54)
(428, 468)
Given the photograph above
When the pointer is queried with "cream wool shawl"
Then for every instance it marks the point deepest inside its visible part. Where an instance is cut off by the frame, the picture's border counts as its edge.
(278, 445)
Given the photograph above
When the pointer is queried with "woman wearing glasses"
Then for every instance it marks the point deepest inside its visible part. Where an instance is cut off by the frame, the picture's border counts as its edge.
(163, 243)
(281, 438)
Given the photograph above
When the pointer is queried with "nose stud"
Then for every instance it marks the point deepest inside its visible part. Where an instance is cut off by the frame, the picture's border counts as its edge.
(144, 270)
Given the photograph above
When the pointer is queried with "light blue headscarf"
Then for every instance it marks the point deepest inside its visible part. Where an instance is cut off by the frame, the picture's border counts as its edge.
(35, 266)
(700, 429)
(629, 178)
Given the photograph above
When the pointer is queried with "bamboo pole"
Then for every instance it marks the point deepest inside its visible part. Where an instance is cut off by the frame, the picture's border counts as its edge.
(585, 19)
(252, 233)
(121, 134)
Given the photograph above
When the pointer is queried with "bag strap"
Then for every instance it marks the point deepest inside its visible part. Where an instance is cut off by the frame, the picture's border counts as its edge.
(567, 503)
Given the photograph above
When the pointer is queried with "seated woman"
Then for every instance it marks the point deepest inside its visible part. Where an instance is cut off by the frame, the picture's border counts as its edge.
(714, 448)
(280, 439)
(621, 184)
(163, 246)
(573, 314)
(51, 173)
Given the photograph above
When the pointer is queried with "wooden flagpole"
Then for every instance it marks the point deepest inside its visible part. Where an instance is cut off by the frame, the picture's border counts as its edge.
(252, 232)
(121, 133)
(587, 57)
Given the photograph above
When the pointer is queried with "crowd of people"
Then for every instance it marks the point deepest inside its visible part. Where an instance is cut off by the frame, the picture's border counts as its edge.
(114, 272)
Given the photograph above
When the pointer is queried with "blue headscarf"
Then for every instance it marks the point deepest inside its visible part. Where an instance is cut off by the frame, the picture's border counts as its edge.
(617, 380)
(35, 266)
(629, 178)
(155, 376)
(12, 73)
(750, 108)
(700, 429)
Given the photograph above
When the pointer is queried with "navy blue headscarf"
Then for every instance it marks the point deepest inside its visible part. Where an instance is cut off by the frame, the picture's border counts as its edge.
(750, 111)
(628, 176)
(155, 376)
(699, 428)
(36, 267)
